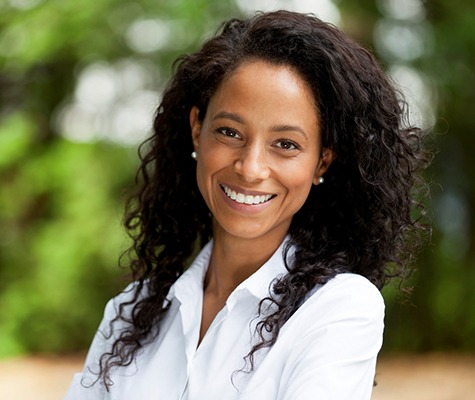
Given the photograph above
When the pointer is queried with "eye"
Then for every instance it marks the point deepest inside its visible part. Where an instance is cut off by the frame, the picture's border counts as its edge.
(287, 145)
(228, 132)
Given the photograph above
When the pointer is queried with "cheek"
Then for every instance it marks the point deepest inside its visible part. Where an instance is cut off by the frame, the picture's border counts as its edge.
(201, 178)
(301, 174)
(214, 159)
(299, 185)
(206, 167)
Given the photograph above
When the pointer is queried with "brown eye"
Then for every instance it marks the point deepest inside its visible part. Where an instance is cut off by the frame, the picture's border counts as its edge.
(287, 145)
(228, 132)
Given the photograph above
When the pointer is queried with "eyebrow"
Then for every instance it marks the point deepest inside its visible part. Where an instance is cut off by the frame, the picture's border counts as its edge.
(229, 115)
(290, 128)
(277, 128)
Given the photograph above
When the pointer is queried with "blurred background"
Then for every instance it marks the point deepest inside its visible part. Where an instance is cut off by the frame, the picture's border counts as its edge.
(79, 81)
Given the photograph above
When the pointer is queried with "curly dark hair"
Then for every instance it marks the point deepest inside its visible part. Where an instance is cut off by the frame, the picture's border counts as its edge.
(365, 219)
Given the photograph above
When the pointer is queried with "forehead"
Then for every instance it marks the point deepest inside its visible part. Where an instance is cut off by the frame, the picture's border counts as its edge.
(263, 83)
(253, 68)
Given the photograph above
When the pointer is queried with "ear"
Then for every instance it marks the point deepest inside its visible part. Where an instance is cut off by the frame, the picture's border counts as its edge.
(195, 125)
(326, 159)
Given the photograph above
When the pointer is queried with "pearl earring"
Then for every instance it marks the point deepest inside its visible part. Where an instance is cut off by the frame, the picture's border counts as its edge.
(321, 180)
(194, 155)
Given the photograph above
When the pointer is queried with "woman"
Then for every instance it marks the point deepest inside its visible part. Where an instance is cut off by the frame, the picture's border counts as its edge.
(300, 182)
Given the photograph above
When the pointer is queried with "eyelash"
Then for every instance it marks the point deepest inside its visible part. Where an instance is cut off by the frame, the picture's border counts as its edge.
(228, 132)
(294, 145)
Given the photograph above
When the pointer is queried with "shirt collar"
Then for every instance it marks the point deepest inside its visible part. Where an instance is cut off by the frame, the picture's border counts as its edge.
(258, 284)
(190, 283)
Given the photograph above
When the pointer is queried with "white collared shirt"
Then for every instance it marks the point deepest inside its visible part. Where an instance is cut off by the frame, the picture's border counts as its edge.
(326, 351)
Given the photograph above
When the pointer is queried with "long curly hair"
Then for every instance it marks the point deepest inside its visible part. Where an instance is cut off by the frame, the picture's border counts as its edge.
(365, 219)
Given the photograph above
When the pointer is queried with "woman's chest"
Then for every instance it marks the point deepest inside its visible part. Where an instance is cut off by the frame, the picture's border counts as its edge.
(174, 367)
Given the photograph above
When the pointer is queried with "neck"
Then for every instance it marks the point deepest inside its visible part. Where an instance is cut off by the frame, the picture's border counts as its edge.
(234, 259)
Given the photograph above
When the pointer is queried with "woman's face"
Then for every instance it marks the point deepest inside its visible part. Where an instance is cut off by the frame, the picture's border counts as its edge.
(258, 150)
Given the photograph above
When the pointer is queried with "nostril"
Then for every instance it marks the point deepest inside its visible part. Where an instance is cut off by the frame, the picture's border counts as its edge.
(252, 166)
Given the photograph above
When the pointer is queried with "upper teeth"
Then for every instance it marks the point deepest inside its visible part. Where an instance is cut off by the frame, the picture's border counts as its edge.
(246, 198)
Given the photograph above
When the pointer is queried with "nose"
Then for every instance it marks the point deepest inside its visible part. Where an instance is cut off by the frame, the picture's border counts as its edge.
(252, 163)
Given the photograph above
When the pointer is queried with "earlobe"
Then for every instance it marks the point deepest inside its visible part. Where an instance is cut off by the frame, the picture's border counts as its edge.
(325, 161)
(195, 125)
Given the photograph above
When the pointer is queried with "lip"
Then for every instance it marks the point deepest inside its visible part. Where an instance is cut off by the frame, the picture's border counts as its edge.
(245, 192)
(244, 207)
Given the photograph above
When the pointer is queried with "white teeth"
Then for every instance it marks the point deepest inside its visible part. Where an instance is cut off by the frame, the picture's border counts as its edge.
(246, 199)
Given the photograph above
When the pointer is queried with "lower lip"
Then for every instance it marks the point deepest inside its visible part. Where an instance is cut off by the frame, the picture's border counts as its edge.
(243, 207)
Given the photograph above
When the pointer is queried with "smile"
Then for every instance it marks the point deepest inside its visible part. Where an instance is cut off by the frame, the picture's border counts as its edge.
(246, 198)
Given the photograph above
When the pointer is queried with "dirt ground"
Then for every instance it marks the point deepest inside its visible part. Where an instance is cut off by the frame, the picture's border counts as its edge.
(428, 377)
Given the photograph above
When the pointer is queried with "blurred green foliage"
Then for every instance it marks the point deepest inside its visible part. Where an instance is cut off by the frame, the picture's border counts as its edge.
(61, 199)
(61, 202)
(60, 213)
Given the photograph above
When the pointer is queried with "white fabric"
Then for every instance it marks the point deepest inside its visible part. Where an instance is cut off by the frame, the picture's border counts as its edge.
(326, 351)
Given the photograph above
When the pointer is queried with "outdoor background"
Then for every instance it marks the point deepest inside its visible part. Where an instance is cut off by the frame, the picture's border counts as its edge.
(79, 81)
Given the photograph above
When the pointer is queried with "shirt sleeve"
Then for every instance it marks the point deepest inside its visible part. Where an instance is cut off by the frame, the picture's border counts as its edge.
(335, 356)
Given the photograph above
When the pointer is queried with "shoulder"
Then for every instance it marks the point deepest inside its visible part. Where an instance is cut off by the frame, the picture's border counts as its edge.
(347, 290)
(133, 293)
(344, 317)
(351, 285)
(347, 300)
(111, 326)
(333, 337)
(119, 306)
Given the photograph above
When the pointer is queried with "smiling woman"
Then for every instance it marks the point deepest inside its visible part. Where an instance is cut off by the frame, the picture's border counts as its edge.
(260, 139)
(299, 192)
